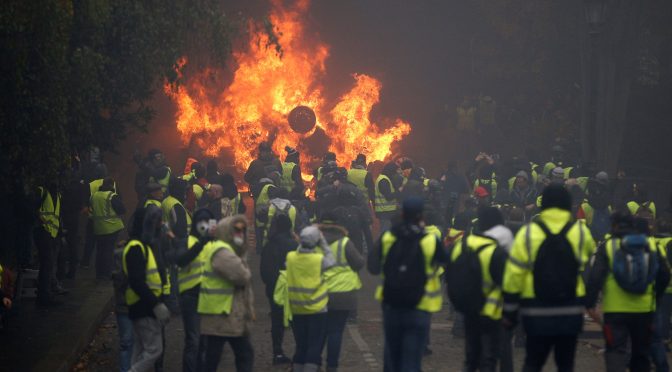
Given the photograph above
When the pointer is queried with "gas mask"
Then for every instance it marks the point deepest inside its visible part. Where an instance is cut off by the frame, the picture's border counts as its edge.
(239, 235)
(203, 227)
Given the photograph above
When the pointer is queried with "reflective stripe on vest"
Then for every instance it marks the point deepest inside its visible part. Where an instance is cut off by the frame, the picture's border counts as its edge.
(617, 300)
(152, 277)
(341, 277)
(381, 203)
(191, 275)
(432, 300)
(286, 180)
(152, 202)
(262, 202)
(358, 177)
(105, 219)
(49, 213)
(216, 293)
(307, 290)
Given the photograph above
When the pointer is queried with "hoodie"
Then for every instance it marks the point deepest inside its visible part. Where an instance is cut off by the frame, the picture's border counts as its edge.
(232, 267)
(503, 236)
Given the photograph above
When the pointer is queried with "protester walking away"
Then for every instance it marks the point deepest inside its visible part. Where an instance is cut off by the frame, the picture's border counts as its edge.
(343, 284)
(596, 208)
(97, 174)
(360, 177)
(143, 295)
(278, 205)
(385, 202)
(543, 281)
(290, 178)
(474, 279)
(225, 301)
(414, 186)
(640, 205)
(74, 204)
(308, 298)
(265, 163)
(281, 241)
(48, 207)
(632, 276)
(262, 196)
(408, 259)
(190, 261)
(106, 211)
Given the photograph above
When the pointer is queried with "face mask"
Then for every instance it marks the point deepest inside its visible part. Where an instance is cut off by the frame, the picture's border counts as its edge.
(238, 240)
(202, 227)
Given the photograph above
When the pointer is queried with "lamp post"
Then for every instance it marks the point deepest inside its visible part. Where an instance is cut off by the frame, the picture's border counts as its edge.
(595, 12)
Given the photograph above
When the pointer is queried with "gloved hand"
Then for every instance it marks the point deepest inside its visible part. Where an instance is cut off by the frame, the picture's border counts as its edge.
(161, 313)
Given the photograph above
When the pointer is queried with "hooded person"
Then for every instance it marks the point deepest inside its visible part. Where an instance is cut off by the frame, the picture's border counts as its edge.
(360, 177)
(143, 296)
(290, 178)
(343, 282)
(260, 167)
(281, 240)
(190, 260)
(225, 301)
(385, 201)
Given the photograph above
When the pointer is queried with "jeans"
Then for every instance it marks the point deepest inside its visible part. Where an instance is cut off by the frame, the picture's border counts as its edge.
(125, 341)
(210, 352)
(405, 336)
(191, 322)
(310, 333)
(336, 320)
(538, 347)
(46, 246)
(482, 343)
(105, 255)
(618, 328)
(277, 324)
(147, 345)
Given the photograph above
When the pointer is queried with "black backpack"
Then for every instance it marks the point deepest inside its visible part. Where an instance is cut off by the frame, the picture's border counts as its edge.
(405, 275)
(556, 267)
(464, 280)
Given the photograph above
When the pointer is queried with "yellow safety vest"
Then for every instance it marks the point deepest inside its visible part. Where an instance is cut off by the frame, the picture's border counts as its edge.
(167, 206)
(661, 243)
(617, 300)
(152, 276)
(493, 294)
(432, 300)
(154, 202)
(491, 182)
(286, 180)
(306, 286)
(191, 275)
(518, 274)
(216, 294)
(105, 219)
(163, 181)
(433, 229)
(50, 213)
(262, 202)
(382, 204)
(340, 277)
(589, 212)
(358, 177)
(95, 186)
(633, 207)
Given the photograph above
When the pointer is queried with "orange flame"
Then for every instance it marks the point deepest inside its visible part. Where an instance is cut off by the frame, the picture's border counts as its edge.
(267, 84)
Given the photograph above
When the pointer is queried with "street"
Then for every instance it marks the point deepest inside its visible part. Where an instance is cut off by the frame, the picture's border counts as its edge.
(362, 342)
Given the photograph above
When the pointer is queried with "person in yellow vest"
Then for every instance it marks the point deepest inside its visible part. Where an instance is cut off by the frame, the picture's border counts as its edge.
(106, 211)
(225, 297)
(409, 259)
(482, 328)
(290, 178)
(143, 296)
(279, 204)
(190, 260)
(628, 307)
(262, 191)
(385, 201)
(98, 175)
(308, 297)
(328, 162)
(154, 195)
(48, 206)
(488, 180)
(543, 281)
(640, 205)
(360, 177)
(343, 283)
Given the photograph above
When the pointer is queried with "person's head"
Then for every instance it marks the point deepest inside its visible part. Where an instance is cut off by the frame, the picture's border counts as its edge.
(278, 193)
(137, 223)
(406, 166)
(157, 158)
(212, 167)
(412, 209)
(310, 237)
(215, 191)
(390, 169)
(107, 185)
(177, 188)
(558, 175)
(360, 160)
(556, 196)
(622, 223)
(416, 173)
(198, 170)
(200, 222)
(340, 174)
(522, 180)
(489, 217)
(486, 171)
(329, 217)
(329, 156)
(99, 171)
(233, 230)
(265, 151)
(292, 155)
(154, 191)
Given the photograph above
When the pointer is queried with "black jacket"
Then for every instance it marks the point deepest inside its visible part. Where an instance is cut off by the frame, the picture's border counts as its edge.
(273, 258)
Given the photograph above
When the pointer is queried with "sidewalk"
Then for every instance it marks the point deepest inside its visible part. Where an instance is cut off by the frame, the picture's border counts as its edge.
(52, 339)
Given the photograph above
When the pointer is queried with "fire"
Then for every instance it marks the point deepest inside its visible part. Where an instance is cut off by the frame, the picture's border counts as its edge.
(268, 82)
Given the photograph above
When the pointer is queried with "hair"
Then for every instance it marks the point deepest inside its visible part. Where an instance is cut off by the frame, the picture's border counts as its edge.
(556, 196)
(489, 217)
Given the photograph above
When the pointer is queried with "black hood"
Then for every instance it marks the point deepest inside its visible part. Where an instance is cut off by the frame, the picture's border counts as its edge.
(202, 214)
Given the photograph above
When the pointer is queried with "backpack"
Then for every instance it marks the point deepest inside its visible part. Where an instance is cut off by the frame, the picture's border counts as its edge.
(556, 267)
(634, 264)
(405, 275)
(464, 280)
(278, 212)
